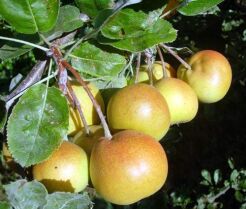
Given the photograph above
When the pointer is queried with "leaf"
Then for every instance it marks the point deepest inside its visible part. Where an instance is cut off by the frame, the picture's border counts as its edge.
(231, 163)
(9, 50)
(206, 175)
(239, 196)
(26, 195)
(115, 82)
(37, 124)
(92, 7)
(30, 16)
(91, 60)
(136, 31)
(3, 115)
(68, 20)
(217, 176)
(194, 7)
(4, 205)
(60, 200)
(104, 15)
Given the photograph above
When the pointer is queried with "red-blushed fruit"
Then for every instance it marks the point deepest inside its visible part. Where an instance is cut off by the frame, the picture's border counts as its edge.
(139, 107)
(128, 168)
(181, 99)
(66, 170)
(210, 75)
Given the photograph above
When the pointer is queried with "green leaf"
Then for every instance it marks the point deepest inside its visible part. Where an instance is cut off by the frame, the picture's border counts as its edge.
(240, 197)
(37, 124)
(206, 175)
(231, 163)
(30, 16)
(4, 205)
(23, 194)
(136, 31)
(115, 82)
(194, 7)
(90, 59)
(217, 176)
(68, 20)
(9, 50)
(60, 200)
(92, 7)
(3, 115)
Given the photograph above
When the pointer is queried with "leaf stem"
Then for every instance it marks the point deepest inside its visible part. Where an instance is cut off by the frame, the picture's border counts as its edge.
(176, 56)
(44, 39)
(9, 102)
(24, 42)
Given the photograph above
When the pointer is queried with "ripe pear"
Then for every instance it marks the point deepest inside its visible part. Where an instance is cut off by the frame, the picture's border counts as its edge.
(128, 168)
(180, 97)
(157, 72)
(210, 75)
(139, 107)
(65, 170)
(91, 117)
(86, 141)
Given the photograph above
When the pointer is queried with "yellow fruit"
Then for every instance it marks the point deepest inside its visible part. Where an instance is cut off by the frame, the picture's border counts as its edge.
(128, 168)
(157, 72)
(87, 141)
(180, 97)
(8, 158)
(75, 123)
(139, 107)
(66, 170)
(210, 75)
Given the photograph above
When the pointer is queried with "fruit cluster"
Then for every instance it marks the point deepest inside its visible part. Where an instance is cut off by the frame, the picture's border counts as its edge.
(132, 164)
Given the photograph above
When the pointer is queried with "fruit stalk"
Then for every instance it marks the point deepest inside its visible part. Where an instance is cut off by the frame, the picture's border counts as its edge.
(78, 107)
(162, 62)
(176, 56)
(107, 133)
(138, 67)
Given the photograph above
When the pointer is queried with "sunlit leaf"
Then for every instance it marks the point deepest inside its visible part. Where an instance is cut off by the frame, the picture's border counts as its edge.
(68, 20)
(37, 124)
(23, 194)
(194, 7)
(92, 7)
(136, 31)
(91, 60)
(60, 200)
(30, 16)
